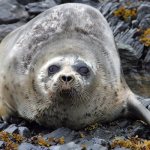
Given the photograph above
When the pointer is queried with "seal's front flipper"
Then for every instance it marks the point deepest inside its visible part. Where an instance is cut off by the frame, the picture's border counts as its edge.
(138, 109)
(4, 113)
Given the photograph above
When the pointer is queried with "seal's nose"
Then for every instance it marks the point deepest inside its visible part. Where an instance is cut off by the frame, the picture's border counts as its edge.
(66, 78)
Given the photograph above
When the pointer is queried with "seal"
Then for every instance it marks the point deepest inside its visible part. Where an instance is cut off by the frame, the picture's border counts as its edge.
(62, 69)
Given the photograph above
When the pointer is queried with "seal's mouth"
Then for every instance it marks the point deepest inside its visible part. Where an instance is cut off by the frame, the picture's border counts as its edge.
(66, 93)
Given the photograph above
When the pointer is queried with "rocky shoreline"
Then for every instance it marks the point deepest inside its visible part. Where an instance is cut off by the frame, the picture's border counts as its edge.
(118, 135)
(129, 19)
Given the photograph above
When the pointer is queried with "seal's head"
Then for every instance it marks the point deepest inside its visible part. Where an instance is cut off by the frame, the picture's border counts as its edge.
(65, 77)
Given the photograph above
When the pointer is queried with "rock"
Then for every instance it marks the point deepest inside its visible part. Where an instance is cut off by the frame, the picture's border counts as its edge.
(147, 57)
(122, 148)
(123, 123)
(11, 12)
(106, 9)
(143, 9)
(24, 131)
(73, 146)
(135, 24)
(128, 56)
(63, 1)
(2, 144)
(93, 3)
(69, 135)
(28, 146)
(94, 143)
(99, 141)
(25, 2)
(96, 147)
(68, 146)
(141, 131)
(38, 7)
(3, 126)
(12, 129)
(6, 29)
(121, 26)
(145, 22)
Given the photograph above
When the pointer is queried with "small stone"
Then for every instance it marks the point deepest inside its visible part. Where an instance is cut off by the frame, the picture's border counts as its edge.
(12, 129)
(3, 125)
(24, 131)
(99, 141)
(96, 147)
(38, 7)
(28, 146)
(25, 2)
(106, 8)
(66, 133)
(123, 123)
(2, 144)
(68, 146)
(135, 23)
(143, 10)
(122, 148)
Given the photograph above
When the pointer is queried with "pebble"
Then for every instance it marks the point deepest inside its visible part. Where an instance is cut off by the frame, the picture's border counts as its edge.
(24, 131)
(67, 134)
(3, 126)
(2, 144)
(12, 129)
(28, 146)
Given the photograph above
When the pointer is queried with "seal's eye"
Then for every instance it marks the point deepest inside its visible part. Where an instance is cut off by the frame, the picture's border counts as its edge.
(84, 71)
(53, 69)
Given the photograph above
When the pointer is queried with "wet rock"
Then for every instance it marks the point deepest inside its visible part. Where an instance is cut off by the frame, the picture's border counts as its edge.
(106, 9)
(3, 126)
(38, 7)
(122, 148)
(63, 1)
(2, 144)
(25, 2)
(68, 146)
(94, 3)
(6, 29)
(135, 23)
(128, 56)
(94, 143)
(141, 131)
(143, 10)
(121, 26)
(11, 12)
(24, 131)
(28, 146)
(68, 134)
(147, 58)
(12, 129)
(145, 22)
(72, 146)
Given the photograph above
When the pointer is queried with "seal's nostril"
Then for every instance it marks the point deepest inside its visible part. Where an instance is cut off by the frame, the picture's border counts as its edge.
(67, 78)
(64, 78)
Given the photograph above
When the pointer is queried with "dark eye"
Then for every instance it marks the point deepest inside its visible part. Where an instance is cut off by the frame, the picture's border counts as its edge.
(53, 69)
(84, 71)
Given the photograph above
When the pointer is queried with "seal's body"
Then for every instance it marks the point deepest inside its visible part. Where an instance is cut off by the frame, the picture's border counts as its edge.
(62, 69)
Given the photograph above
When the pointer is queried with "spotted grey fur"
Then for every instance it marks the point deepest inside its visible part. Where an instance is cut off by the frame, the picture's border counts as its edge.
(69, 35)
